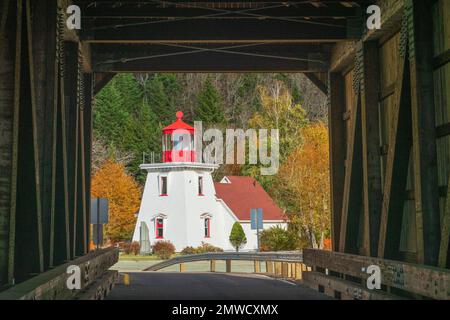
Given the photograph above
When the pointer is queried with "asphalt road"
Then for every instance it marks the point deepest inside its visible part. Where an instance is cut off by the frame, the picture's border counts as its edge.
(209, 286)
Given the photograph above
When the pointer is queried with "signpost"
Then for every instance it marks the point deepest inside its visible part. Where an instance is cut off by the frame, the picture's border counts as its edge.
(256, 222)
(99, 217)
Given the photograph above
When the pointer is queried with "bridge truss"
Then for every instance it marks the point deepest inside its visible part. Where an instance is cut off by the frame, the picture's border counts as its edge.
(389, 110)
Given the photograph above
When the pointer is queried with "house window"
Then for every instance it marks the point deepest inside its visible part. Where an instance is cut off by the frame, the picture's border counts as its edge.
(159, 228)
(207, 227)
(200, 186)
(163, 186)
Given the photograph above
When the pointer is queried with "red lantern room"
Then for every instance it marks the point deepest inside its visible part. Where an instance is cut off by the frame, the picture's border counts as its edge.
(178, 141)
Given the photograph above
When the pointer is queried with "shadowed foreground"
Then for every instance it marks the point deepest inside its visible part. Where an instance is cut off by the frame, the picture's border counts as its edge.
(209, 286)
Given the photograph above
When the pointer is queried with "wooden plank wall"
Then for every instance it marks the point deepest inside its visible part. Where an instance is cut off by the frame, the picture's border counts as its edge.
(7, 71)
(441, 17)
(399, 81)
(44, 115)
(390, 61)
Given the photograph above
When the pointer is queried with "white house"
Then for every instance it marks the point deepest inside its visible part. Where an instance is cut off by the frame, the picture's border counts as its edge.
(182, 204)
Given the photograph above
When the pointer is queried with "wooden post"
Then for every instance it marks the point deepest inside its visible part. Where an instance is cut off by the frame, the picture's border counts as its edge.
(228, 266)
(88, 90)
(269, 267)
(372, 193)
(396, 167)
(336, 129)
(445, 236)
(182, 267)
(257, 266)
(298, 271)
(426, 192)
(212, 265)
(352, 203)
(278, 268)
(284, 269)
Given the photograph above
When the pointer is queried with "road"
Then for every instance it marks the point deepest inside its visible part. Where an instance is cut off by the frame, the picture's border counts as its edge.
(209, 286)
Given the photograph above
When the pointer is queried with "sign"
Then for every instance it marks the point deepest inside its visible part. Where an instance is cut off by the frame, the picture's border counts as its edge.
(99, 217)
(256, 218)
(99, 211)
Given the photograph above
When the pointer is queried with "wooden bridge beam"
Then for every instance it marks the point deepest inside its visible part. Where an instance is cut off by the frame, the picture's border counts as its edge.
(206, 31)
(424, 133)
(372, 192)
(222, 57)
(337, 137)
(400, 144)
(352, 196)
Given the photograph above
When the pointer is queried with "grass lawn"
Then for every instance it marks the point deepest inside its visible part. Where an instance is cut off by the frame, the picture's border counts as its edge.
(132, 257)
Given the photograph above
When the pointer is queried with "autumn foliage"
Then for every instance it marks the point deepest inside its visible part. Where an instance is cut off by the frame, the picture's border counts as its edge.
(306, 174)
(111, 182)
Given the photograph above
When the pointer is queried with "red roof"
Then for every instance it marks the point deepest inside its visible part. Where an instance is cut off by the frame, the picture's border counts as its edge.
(177, 125)
(244, 193)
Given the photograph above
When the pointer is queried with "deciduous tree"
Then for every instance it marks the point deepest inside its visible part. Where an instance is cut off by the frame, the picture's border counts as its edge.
(123, 193)
(306, 174)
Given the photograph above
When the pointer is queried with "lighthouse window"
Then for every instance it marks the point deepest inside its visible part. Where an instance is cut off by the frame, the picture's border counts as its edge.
(200, 186)
(181, 141)
(159, 228)
(163, 186)
(207, 227)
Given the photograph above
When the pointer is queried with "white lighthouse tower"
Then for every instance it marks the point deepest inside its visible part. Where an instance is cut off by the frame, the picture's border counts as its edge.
(179, 203)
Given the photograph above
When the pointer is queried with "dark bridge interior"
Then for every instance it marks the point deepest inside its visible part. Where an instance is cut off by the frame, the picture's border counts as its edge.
(389, 110)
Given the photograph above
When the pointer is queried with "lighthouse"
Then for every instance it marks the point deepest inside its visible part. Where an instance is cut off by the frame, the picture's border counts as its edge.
(182, 204)
(178, 203)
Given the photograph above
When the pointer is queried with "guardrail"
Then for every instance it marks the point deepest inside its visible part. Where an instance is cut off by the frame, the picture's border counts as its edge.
(95, 280)
(345, 276)
(283, 264)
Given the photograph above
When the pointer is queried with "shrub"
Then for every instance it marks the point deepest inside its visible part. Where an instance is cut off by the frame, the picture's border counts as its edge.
(237, 236)
(135, 248)
(163, 249)
(206, 247)
(188, 250)
(203, 248)
(278, 239)
(125, 247)
(327, 244)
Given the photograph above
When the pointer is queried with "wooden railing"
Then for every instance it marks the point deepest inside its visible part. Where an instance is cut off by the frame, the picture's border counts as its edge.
(340, 275)
(344, 276)
(96, 280)
(283, 264)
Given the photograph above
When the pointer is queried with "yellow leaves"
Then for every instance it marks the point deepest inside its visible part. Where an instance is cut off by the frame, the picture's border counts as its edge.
(123, 193)
(278, 111)
(306, 173)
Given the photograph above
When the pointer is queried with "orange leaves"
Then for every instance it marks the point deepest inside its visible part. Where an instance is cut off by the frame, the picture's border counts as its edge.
(306, 173)
(123, 193)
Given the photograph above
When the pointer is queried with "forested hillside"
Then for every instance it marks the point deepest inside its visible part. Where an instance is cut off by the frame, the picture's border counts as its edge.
(131, 110)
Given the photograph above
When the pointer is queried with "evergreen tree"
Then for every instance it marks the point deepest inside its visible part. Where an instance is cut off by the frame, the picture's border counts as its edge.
(237, 236)
(209, 105)
(110, 114)
(123, 120)
(160, 95)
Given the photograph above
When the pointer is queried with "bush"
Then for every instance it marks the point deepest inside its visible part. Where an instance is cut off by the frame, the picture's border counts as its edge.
(203, 248)
(278, 239)
(135, 248)
(125, 247)
(206, 247)
(163, 249)
(188, 250)
(237, 236)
